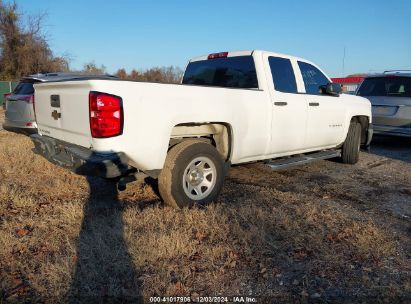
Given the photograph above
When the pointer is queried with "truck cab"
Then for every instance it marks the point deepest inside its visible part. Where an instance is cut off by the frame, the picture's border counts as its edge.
(303, 115)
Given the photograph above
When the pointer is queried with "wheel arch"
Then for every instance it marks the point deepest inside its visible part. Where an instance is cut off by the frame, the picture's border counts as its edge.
(218, 134)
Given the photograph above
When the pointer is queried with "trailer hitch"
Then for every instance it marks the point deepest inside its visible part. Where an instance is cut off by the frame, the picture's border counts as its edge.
(133, 177)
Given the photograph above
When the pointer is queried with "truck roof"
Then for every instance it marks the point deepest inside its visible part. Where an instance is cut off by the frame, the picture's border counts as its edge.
(248, 53)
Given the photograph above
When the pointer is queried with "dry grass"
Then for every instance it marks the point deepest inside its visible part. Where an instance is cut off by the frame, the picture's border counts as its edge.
(295, 235)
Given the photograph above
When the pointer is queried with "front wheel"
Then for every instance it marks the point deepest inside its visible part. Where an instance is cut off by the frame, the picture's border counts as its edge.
(350, 151)
(193, 173)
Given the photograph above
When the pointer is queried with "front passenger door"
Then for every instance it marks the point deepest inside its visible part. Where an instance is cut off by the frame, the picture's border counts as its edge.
(326, 113)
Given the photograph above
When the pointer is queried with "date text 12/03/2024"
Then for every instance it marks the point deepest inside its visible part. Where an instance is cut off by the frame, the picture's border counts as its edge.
(201, 299)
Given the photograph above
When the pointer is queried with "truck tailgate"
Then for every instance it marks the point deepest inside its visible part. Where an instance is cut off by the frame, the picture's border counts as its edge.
(62, 111)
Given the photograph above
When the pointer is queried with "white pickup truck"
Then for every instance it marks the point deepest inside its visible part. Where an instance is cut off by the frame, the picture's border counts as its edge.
(231, 108)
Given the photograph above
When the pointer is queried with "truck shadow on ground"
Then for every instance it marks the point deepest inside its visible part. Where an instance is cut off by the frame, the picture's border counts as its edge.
(104, 268)
(392, 147)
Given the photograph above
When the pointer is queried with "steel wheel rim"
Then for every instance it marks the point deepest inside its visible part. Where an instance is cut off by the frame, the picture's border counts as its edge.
(199, 178)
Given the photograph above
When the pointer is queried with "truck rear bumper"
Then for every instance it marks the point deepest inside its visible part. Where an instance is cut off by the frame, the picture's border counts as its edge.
(24, 127)
(81, 160)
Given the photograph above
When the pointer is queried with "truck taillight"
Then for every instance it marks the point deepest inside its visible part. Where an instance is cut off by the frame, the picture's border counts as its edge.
(106, 115)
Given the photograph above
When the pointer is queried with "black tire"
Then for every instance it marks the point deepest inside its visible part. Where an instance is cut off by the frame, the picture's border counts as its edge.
(350, 151)
(172, 181)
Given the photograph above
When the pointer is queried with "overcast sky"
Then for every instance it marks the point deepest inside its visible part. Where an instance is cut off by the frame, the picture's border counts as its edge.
(142, 34)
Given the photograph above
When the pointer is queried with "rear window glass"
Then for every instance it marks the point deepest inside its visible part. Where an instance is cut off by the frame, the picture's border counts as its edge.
(393, 86)
(24, 88)
(231, 72)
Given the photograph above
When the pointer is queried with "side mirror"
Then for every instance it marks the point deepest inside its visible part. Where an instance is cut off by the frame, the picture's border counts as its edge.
(333, 89)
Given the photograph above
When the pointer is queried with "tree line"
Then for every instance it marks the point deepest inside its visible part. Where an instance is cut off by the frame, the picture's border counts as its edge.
(24, 50)
(170, 74)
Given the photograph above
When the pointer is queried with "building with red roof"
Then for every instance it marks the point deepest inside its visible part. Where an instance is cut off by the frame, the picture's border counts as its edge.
(349, 84)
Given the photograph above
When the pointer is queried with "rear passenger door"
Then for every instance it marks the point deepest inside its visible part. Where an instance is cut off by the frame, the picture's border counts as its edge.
(326, 113)
(289, 109)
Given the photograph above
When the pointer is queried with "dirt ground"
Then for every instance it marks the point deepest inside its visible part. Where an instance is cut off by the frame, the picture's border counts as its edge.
(319, 233)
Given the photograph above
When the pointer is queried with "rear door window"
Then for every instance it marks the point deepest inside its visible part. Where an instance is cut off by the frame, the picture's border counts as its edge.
(230, 72)
(392, 86)
(313, 78)
(283, 75)
(24, 88)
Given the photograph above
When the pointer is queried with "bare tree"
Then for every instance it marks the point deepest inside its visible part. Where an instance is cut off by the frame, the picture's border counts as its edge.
(172, 74)
(135, 75)
(122, 74)
(23, 46)
(92, 68)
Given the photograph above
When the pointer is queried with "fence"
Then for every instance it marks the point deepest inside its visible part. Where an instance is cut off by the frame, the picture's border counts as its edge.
(6, 87)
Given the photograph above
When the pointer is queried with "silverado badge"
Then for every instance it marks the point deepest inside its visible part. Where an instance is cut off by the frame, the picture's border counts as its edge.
(56, 115)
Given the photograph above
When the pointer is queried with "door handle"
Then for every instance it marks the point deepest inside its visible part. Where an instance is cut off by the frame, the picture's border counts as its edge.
(280, 103)
(314, 104)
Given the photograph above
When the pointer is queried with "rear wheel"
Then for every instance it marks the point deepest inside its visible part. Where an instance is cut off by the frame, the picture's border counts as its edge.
(193, 174)
(350, 151)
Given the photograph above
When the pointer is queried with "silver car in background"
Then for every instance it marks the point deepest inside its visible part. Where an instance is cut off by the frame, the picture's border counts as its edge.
(390, 97)
(19, 108)
(19, 105)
